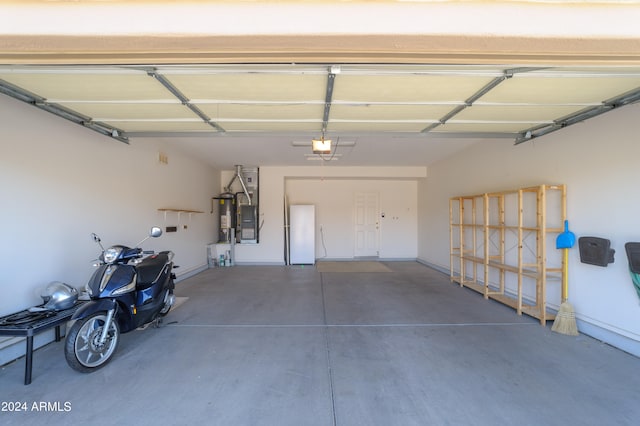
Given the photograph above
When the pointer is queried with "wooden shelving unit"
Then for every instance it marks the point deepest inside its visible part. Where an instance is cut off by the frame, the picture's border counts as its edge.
(503, 246)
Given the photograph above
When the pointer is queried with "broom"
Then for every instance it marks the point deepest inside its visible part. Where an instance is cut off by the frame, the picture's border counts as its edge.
(565, 322)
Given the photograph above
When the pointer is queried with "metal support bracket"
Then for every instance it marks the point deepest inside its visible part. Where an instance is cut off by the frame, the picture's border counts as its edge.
(62, 112)
(582, 115)
(507, 74)
(184, 100)
(328, 99)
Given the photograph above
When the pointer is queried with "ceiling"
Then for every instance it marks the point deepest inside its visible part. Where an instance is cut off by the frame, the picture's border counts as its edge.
(252, 82)
(374, 114)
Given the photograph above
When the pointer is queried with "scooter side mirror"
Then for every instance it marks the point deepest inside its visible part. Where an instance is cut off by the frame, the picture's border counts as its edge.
(97, 240)
(155, 232)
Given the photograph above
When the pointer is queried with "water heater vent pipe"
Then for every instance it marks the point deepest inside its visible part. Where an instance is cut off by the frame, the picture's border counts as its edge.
(238, 175)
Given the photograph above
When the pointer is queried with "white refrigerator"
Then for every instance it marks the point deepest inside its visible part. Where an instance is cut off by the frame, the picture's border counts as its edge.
(302, 234)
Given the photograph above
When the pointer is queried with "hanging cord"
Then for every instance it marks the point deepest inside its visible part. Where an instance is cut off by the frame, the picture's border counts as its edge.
(322, 239)
(333, 152)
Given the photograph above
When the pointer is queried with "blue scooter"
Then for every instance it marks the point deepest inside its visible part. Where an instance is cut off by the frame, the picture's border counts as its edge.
(126, 292)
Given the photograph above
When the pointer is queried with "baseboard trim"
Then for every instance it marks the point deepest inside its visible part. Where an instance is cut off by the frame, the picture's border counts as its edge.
(364, 258)
(191, 272)
(609, 337)
(15, 348)
(434, 266)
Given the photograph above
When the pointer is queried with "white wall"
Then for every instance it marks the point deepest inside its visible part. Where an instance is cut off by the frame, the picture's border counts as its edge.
(328, 187)
(60, 182)
(334, 201)
(598, 161)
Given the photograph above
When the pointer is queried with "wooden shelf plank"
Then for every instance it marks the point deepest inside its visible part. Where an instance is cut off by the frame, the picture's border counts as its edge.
(179, 210)
(474, 286)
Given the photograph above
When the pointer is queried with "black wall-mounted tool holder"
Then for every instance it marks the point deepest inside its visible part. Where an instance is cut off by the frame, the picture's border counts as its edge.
(596, 251)
(633, 255)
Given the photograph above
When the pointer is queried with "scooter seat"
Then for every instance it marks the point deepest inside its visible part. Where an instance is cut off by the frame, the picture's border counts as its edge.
(150, 268)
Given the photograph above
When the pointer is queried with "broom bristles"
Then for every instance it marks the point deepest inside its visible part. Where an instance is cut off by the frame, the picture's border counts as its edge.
(565, 322)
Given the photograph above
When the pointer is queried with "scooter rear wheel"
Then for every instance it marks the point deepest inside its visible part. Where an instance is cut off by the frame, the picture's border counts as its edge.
(169, 301)
(82, 349)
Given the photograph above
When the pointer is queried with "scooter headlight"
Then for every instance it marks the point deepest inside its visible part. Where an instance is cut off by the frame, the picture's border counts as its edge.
(111, 254)
(125, 289)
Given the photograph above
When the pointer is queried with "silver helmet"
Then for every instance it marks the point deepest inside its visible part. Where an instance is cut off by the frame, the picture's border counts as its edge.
(59, 296)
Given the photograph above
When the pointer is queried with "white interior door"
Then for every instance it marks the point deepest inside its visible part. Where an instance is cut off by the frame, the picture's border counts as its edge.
(367, 225)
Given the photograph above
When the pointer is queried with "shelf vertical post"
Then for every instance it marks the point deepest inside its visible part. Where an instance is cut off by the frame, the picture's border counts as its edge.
(474, 274)
(486, 245)
(461, 236)
(565, 259)
(542, 255)
(502, 234)
(451, 246)
(520, 247)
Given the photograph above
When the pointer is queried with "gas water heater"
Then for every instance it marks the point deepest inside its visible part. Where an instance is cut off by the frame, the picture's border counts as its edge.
(226, 215)
(238, 209)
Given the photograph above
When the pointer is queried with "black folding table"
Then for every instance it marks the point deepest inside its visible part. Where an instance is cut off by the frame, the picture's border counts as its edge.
(27, 324)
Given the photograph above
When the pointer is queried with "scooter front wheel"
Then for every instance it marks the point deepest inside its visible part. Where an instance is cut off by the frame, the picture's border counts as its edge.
(83, 350)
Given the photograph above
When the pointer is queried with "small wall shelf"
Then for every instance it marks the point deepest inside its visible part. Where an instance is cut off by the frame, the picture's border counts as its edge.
(179, 211)
(502, 245)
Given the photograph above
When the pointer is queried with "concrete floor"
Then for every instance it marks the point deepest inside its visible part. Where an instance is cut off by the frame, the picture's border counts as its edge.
(269, 345)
